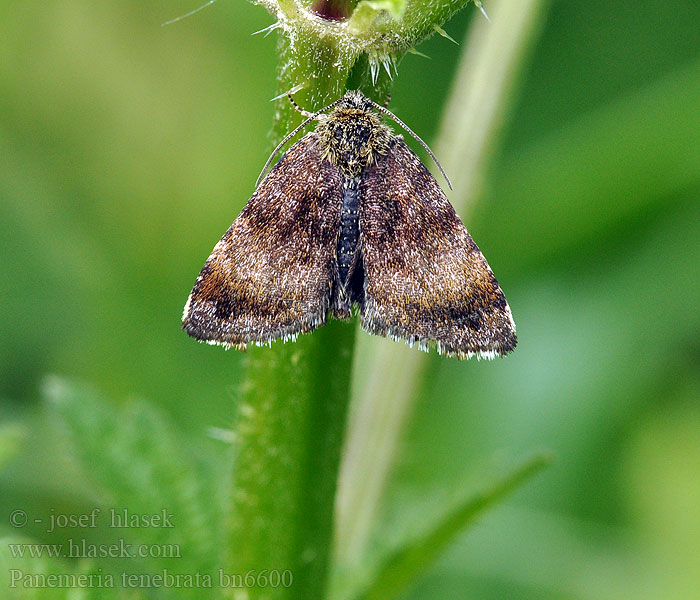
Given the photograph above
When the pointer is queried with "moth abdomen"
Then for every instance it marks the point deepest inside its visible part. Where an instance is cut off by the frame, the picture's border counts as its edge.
(349, 234)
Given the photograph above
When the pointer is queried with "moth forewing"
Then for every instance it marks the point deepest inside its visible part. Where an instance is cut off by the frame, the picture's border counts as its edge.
(271, 275)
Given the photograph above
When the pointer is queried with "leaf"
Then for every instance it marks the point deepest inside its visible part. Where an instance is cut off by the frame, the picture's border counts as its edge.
(408, 563)
(141, 464)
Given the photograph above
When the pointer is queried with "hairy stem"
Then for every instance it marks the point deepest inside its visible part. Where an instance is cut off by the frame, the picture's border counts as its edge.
(292, 418)
(288, 437)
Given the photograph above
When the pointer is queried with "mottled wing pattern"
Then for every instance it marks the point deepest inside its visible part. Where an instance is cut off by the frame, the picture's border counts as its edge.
(425, 278)
(272, 273)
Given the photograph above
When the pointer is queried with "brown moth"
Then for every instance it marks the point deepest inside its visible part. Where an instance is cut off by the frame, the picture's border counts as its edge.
(350, 216)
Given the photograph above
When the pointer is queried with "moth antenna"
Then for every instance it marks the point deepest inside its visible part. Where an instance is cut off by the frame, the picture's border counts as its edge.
(387, 100)
(290, 135)
(304, 113)
(415, 136)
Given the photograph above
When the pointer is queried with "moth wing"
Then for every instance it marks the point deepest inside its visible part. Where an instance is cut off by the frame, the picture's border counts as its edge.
(271, 275)
(425, 278)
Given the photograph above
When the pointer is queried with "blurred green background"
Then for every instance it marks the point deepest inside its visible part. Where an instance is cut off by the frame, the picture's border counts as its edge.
(127, 148)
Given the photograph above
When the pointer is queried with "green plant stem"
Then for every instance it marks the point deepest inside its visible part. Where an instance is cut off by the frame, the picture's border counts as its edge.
(313, 66)
(288, 437)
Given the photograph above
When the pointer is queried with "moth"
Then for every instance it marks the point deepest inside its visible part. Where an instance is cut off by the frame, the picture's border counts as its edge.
(348, 218)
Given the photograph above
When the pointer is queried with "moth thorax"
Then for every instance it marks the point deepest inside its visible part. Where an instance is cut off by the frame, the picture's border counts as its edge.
(352, 139)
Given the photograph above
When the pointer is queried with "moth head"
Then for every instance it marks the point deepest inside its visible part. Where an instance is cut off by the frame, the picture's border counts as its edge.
(355, 99)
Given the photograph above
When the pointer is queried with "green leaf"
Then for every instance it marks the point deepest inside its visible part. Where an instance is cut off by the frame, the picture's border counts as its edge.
(408, 563)
(141, 464)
